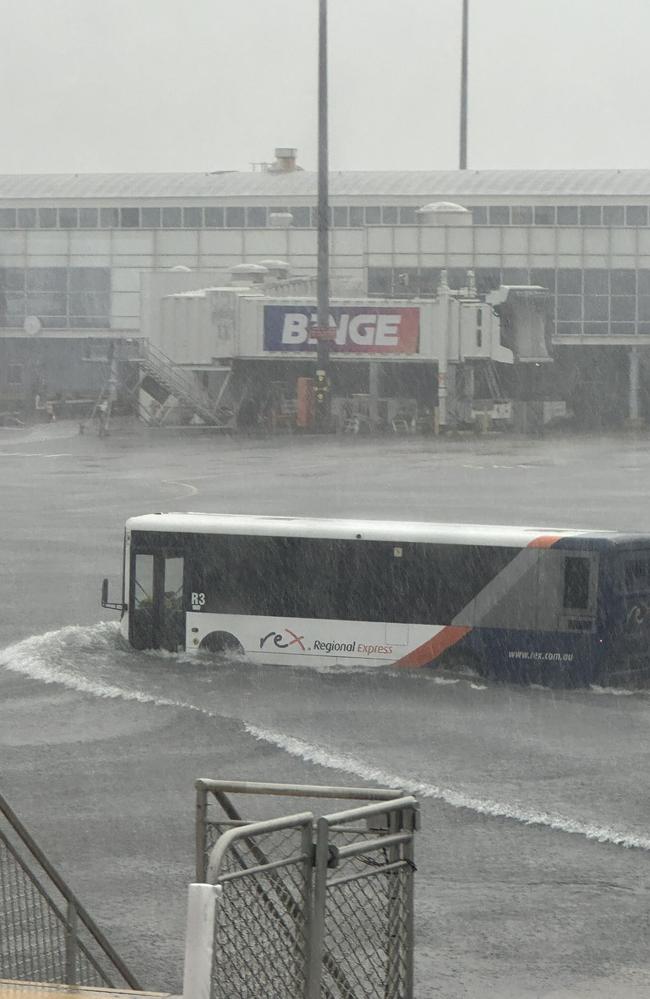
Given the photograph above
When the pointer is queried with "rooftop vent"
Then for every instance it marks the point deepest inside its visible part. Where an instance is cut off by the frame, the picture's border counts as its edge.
(248, 274)
(285, 160)
(278, 269)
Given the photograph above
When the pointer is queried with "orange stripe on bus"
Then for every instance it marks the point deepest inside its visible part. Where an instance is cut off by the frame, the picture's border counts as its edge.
(544, 541)
(433, 647)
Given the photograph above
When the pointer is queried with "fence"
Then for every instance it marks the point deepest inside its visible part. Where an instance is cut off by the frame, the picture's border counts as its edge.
(307, 908)
(45, 933)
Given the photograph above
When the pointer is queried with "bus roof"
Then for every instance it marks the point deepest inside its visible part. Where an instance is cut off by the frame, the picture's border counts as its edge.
(371, 530)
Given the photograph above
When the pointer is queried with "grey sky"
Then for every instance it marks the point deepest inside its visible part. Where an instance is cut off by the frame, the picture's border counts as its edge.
(157, 85)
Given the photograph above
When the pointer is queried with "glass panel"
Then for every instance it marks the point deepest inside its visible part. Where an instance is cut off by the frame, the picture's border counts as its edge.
(544, 215)
(567, 215)
(171, 218)
(569, 307)
(174, 583)
(596, 329)
(569, 329)
(12, 278)
(47, 218)
(569, 281)
(46, 278)
(515, 275)
(90, 278)
(380, 280)
(90, 304)
(636, 215)
(150, 218)
(544, 277)
(26, 218)
(644, 308)
(7, 218)
(406, 216)
(389, 215)
(88, 218)
(487, 279)
(613, 215)
(623, 282)
(576, 583)
(499, 215)
(301, 217)
(46, 304)
(597, 309)
(109, 218)
(235, 218)
(429, 280)
(590, 215)
(521, 214)
(143, 582)
(623, 308)
(340, 215)
(596, 282)
(193, 217)
(130, 218)
(373, 215)
(479, 215)
(644, 282)
(68, 218)
(256, 217)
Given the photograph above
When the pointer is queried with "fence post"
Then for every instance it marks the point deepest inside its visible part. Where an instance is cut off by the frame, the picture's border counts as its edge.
(71, 943)
(318, 912)
(200, 832)
(202, 902)
(307, 903)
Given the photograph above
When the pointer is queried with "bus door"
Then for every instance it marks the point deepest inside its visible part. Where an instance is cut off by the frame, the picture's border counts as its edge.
(157, 607)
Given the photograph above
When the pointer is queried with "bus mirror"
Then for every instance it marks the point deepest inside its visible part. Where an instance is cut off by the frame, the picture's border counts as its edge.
(104, 592)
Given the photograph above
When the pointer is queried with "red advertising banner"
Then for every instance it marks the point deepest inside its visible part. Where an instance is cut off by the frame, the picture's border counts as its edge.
(359, 329)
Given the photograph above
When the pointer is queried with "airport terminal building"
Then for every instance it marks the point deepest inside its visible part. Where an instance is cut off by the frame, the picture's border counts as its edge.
(74, 248)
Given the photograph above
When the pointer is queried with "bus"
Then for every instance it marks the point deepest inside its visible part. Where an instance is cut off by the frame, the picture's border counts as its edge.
(512, 602)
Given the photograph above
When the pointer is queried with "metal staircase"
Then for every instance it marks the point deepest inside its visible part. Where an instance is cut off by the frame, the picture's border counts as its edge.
(170, 387)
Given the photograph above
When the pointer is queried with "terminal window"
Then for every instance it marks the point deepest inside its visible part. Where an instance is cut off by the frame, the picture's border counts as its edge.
(61, 297)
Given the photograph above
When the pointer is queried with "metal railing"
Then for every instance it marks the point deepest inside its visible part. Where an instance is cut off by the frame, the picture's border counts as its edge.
(46, 935)
(308, 908)
(182, 385)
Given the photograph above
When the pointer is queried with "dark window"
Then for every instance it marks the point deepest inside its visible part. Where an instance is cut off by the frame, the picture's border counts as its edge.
(373, 215)
(637, 573)
(567, 215)
(171, 217)
(544, 277)
(7, 218)
(522, 214)
(356, 215)
(389, 215)
(90, 279)
(26, 218)
(88, 218)
(68, 218)
(596, 282)
(340, 215)
(457, 277)
(623, 282)
(487, 279)
(380, 281)
(568, 329)
(613, 215)
(499, 214)
(151, 218)
(596, 308)
(109, 218)
(235, 218)
(644, 282)
(644, 308)
(46, 279)
(479, 215)
(569, 307)
(406, 281)
(314, 218)
(256, 217)
(636, 215)
(596, 329)
(515, 275)
(130, 218)
(14, 374)
(590, 215)
(214, 217)
(429, 279)
(407, 215)
(12, 279)
(193, 218)
(569, 281)
(623, 309)
(301, 217)
(47, 218)
(576, 583)
(544, 215)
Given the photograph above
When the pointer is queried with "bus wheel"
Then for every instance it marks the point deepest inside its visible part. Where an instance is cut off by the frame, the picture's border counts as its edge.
(221, 642)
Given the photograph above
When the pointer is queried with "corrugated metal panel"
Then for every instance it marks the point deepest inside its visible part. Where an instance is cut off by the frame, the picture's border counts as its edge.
(423, 185)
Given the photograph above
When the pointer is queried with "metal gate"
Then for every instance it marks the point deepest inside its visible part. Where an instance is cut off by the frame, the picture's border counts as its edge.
(304, 908)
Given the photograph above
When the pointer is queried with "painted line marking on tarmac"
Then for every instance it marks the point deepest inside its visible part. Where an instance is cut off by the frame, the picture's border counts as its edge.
(192, 490)
(35, 454)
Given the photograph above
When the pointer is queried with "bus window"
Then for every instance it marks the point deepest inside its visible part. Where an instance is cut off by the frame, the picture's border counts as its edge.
(576, 584)
(143, 583)
(636, 570)
(173, 582)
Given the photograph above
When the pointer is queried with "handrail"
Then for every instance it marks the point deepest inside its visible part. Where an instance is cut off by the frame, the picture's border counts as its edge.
(225, 841)
(67, 894)
(301, 790)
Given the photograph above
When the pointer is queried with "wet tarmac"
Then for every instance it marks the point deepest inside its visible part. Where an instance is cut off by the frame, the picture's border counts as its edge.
(533, 857)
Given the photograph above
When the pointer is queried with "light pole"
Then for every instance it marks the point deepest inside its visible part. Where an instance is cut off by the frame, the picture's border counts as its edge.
(322, 379)
(463, 87)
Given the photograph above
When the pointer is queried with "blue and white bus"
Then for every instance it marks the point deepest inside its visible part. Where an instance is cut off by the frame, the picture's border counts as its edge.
(514, 602)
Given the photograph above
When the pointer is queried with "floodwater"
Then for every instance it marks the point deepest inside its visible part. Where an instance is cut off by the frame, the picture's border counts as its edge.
(533, 856)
